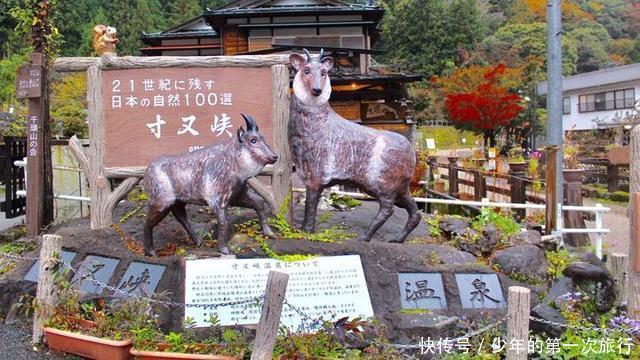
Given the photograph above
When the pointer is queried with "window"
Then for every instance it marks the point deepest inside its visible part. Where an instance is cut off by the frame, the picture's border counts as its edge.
(566, 105)
(610, 100)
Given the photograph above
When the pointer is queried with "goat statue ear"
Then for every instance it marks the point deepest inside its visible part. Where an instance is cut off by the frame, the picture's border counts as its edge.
(240, 134)
(297, 61)
(327, 63)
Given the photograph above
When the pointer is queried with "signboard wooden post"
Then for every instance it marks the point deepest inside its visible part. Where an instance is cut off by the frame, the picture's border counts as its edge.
(30, 83)
(143, 107)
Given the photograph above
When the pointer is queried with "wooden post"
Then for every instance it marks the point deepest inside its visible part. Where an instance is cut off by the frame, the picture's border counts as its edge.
(32, 85)
(517, 188)
(453, 176)
(270, 318)
(518, 308)
(479, 185)
(47, 293)
(281, 178)
(612, 177)
(551, 211)
(574, 219)
(103, 200)
(633, 274)
(617, 264)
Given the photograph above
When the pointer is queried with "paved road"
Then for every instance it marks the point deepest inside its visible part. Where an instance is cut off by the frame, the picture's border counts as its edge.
(7, 223)
(15, 345)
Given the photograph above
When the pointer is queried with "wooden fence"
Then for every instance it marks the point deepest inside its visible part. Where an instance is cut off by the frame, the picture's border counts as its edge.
(602, 171)
(477, 184)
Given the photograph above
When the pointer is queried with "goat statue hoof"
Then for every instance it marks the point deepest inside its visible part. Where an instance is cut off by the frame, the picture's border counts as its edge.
(150, 252)
(224, 250)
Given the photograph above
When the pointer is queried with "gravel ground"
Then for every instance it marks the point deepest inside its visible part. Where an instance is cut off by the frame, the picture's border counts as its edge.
(617, 221)
(15, 345)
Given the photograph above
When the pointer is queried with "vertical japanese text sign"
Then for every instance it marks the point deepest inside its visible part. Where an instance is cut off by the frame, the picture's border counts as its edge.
(153, 111)
(29, 86)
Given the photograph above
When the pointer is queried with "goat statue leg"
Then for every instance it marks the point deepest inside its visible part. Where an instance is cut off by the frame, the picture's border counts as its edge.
(180, 213)
(406, 201)
(310, 208)
(224, 232)
(154, 216)
(248, 198)
(385, 211)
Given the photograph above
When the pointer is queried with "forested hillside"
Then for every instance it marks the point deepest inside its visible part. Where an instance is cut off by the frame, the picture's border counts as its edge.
(431, 37)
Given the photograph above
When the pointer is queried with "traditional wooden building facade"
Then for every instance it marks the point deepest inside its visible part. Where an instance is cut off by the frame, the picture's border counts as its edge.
(347, 32)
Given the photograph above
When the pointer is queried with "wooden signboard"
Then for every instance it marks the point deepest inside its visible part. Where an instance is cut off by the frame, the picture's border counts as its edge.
(143, 107)
(29, 82)
(151, 112)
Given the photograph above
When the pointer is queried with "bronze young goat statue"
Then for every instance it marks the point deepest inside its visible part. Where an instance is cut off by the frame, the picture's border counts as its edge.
(328, 150)
(214, 176)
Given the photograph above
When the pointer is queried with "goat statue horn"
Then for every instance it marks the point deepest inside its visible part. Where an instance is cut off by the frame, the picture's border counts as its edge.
(308, 55)
(251, 122)
(321, 54)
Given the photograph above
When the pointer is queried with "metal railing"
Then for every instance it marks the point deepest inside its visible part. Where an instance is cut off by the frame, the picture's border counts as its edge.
(598, 210)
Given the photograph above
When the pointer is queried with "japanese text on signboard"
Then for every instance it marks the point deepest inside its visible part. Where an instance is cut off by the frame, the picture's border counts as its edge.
(150, 112)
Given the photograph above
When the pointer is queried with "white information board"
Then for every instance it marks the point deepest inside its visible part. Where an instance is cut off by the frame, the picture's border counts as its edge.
(330, 287)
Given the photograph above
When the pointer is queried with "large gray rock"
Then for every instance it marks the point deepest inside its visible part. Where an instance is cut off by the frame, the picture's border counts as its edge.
(527, 260)
(546, 312)
(560, 287)
(528, 237)
(428, 324)
(490, 239)
(452, 225)
(595, 273)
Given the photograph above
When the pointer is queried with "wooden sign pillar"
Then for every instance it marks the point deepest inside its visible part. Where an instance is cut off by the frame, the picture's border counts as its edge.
(551, 211)
(32, 84)
(270, 317)
(633, 273)
(518, 308)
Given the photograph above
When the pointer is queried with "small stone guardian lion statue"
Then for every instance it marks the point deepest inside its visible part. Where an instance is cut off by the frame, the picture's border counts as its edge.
(105, 39)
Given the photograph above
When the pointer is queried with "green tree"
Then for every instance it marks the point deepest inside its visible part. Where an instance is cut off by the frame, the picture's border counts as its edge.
(592, 43)
(8, 69)
(181, 11)
(465, 23)
(86, 46)
(517, 44)
(131, 19)
(68, 105)
(72, 23)
(416, 36)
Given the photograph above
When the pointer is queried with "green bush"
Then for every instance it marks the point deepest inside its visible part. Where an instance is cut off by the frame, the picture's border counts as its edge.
(620, 196)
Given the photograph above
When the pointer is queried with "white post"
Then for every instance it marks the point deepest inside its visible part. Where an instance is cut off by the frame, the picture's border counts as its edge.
(599, 235)
(560, 225)
(484, 200)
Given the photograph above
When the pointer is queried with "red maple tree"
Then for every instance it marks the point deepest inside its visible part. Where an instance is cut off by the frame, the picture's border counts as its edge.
(487, 108)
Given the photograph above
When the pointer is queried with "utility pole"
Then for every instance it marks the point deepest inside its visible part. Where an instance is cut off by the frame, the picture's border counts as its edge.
(554, 90)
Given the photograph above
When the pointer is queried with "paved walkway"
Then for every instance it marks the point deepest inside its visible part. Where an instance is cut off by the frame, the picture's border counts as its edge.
(617, 241)
(7, 223)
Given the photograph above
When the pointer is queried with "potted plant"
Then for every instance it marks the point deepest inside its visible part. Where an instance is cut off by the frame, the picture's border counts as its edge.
(571, 172)
(150, 344)
(534, 169)
(516, 160)
(477, 157)
(90, 330)
(617, 154)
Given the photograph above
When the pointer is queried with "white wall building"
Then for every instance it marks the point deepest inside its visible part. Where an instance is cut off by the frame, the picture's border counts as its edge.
(603, 97)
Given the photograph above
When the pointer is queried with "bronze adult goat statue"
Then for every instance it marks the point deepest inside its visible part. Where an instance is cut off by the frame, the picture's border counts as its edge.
(328, 150)
(214, 176)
